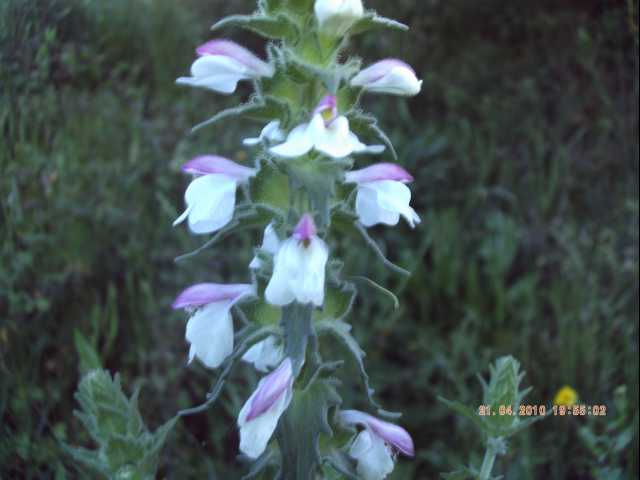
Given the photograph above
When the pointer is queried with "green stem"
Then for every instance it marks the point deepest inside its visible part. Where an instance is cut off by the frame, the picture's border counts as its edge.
(488, 461)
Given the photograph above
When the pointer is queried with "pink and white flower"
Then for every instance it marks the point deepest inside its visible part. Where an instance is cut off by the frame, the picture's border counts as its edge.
(259, 416)
(375, 447)
(222, 64)
(299, 267)
(382, 194)
(271, 133)
(210, 327)
(327, 132)
(391, 76)
(211, 196)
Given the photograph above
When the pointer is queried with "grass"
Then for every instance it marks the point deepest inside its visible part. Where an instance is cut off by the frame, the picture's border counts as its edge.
(525, 152)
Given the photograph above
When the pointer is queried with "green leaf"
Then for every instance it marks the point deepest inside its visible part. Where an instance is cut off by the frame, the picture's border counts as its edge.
(261, 464)
(270, 188)
(89, 358)
(278, 26)
(337, 304)
(261, 313)
(366, 124)
(469, 413)
(371, 21)
(257, 108)
(301, 426)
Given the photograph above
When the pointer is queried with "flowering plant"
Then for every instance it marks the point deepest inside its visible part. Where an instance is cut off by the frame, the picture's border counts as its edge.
(303, 191)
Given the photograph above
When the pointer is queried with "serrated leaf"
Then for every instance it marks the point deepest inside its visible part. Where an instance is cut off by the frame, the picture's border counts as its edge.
(277, 26)
(301, 426)
(297, 328)
(87, 458)
(342, 332)
(371, 21)
(270, 188)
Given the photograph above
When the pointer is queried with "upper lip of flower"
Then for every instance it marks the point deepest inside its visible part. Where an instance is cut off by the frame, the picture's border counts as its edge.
(227, 48)
(273, 387)
(393, 434)
(377, 172)
(204, 293)
(209, 164)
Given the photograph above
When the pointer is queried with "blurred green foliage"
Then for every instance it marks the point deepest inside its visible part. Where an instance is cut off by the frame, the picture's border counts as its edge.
(524, 146)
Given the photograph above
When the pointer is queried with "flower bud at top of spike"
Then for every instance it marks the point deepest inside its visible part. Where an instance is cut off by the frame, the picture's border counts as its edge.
(306, 228)
(393, 434)
(379, 171)
(504, 382)
(274, 385)
(390, 76)
(335, 17)
(207, 164)
(229, 49)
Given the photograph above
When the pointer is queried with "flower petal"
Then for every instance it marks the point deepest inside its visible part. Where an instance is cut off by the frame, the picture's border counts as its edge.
(375, 460)
(394, 197)
(305, 229)
(391, 433)
(211, 201)
(335, 140)
(270, 389)
(204, 293)
(207, 164)
(368, 210)
(379, 171)
(227, 48)
(391, 76)
(255, 434)
(217, 73)
(265, 354)
(210, 332)
(299, 142)
(271, 132)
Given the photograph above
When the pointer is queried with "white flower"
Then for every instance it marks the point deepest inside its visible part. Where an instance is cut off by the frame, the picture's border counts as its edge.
(265, 354)
(375, 447)
(211, 197)
(222, 64)
(335, 17)
(259, 416)
(382, 195)
(271, 133)
(270, 244)
(326, 132)
(299, 267)
(210, 328)
(391, 76)
(375, 459)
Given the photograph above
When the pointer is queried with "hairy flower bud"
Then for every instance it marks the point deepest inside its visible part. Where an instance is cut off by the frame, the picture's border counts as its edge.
(390, 76)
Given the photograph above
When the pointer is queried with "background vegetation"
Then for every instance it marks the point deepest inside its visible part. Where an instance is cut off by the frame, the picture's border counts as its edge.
(524, 145)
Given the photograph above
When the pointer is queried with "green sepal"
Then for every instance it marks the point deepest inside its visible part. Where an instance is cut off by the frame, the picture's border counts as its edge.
(371, 21)
(366, 124)
(338, 300)
(301, 426)
(261, 312)
(277, 26)
(270, 188)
